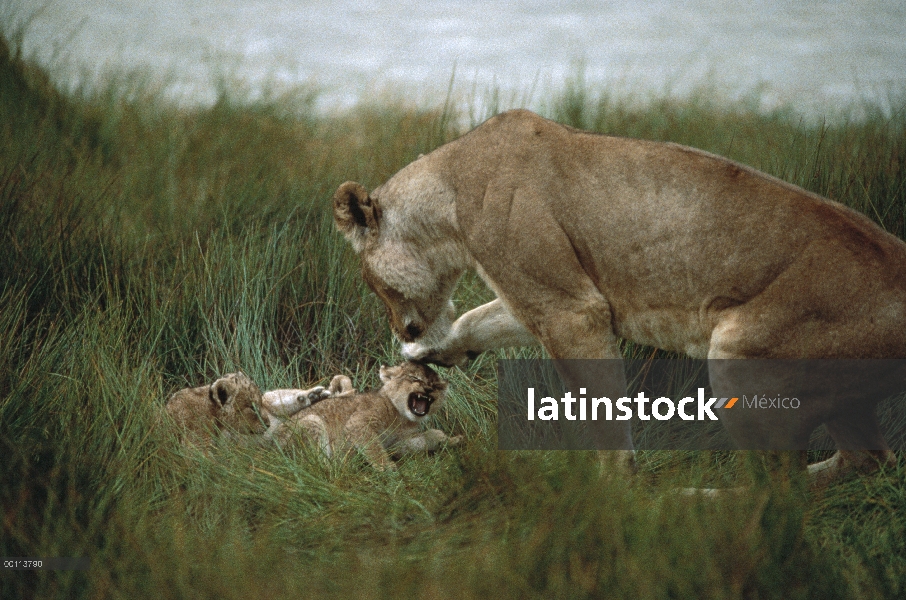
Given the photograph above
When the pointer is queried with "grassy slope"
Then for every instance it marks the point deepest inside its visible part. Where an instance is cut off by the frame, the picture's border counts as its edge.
(144, 248)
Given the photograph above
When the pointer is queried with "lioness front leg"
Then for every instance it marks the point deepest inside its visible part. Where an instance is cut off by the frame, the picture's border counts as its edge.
(861, 448)
(584, 347)
(489, 327)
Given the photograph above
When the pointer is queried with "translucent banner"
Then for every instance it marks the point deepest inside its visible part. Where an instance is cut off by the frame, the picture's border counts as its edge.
(687, 404)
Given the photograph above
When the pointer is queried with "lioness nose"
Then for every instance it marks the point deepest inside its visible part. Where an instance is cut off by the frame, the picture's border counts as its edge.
(412, 332)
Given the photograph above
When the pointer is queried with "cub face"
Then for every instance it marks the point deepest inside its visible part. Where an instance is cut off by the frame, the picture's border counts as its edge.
(240, 403)
(415, 390)
(233, 401)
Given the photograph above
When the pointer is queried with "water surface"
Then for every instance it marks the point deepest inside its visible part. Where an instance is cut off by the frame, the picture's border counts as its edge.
(811, 55)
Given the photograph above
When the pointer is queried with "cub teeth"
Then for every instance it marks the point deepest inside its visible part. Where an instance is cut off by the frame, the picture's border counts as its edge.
(419, 404)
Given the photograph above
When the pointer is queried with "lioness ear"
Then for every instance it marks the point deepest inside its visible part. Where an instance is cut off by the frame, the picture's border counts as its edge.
(354, 211)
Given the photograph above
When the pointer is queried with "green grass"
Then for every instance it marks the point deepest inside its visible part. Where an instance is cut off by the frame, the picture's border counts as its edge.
(145, 247)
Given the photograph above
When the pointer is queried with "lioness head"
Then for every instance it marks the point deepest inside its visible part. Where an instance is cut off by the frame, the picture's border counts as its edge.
(415, 390)
(411, 254)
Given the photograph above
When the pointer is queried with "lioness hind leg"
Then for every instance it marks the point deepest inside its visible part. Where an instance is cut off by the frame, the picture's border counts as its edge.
(861, 448)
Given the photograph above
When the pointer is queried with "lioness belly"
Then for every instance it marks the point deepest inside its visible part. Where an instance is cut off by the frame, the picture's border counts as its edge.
(667, 329)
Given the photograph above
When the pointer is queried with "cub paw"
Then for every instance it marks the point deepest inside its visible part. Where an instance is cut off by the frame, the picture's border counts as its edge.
(316, 394)
(341, 385)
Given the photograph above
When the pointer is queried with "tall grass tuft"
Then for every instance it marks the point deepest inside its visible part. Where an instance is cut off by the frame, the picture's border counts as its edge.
(146, 247)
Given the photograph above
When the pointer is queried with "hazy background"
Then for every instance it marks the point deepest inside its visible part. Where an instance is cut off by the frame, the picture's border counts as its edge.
(813, 55)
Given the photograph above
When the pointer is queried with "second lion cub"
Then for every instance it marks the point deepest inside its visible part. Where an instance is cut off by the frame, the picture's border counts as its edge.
(377, 423)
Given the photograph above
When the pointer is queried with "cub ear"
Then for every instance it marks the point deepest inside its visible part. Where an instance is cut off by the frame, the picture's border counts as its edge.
(221, 391)
(386, 374)
(355, 211)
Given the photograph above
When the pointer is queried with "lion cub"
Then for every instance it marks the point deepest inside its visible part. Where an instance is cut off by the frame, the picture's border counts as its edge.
(235, 403)
(202, 413)
(279, 405)
(377, 423)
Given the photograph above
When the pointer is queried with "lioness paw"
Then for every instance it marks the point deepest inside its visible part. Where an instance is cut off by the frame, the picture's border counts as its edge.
(416, 352)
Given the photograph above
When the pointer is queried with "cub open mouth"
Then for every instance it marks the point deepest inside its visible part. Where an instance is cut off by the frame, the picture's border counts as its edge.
(419, 404)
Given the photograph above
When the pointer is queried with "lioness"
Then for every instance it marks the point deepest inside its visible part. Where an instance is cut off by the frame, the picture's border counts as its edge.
(588, 238)
(376, 422)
